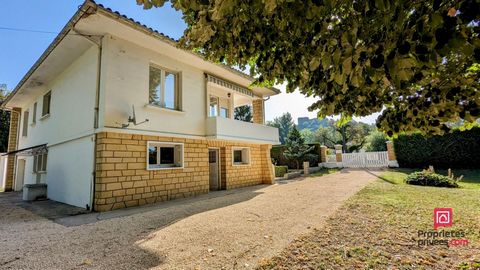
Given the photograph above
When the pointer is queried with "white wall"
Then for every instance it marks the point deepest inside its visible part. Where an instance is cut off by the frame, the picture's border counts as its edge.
(127, 82)
(69, 172)
(3, 170)
(71, 117)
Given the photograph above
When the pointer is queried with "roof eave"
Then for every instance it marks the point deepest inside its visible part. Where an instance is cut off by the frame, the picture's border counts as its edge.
(82, 10)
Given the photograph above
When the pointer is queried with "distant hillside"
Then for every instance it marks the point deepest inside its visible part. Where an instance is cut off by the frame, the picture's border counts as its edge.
(312, 124)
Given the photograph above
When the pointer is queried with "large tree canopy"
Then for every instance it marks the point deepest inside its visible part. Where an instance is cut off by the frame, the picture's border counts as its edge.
(417, 60)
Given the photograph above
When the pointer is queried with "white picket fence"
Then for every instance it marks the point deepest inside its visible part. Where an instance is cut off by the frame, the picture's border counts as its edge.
(365, 160)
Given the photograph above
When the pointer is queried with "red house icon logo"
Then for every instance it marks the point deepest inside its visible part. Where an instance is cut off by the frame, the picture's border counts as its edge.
(442, 217)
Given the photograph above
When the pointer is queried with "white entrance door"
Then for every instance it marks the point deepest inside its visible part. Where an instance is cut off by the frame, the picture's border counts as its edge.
(213, 161)
(20, 175)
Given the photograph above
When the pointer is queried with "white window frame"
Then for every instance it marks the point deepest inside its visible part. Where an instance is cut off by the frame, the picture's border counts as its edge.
(227, 110)
(151, 167)
(246, 156)
(178, 89)
(46, 113)
(44, 163)
(34, 113)
(26, 115)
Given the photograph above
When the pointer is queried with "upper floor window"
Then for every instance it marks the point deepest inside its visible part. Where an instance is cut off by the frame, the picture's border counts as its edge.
(46, 103)
(164, 90)
(224, 112)
(25, 124)
(34, 116)
(218, 107)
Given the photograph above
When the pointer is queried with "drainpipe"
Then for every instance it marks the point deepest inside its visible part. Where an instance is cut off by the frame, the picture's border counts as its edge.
(263, 109)
(96, 115)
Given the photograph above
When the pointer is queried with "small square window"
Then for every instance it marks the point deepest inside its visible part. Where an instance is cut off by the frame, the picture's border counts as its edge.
(165, 155)
(241, 156)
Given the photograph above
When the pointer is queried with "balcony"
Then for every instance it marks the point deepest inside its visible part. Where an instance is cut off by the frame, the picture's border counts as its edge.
(234, 130)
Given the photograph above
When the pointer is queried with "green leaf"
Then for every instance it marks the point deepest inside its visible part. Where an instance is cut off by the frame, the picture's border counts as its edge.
(314, 63)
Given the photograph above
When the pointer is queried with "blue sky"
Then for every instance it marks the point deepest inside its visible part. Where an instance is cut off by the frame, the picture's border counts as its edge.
(20, 49)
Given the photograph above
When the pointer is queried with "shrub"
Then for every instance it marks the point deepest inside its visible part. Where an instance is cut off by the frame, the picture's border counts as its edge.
(376, 141)
(312, 160)
(458, 149)
(278, 158)
(280, 171)
(427, 178)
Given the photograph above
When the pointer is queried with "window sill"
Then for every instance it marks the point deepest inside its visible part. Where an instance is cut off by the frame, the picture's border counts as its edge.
(154, 168)
(241, 164)
(156, 107)
(44, 117)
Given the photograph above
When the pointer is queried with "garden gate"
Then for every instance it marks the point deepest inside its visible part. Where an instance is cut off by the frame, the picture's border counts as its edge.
(365, 160)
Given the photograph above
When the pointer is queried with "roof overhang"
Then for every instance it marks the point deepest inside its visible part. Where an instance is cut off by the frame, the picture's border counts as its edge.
(93, 20)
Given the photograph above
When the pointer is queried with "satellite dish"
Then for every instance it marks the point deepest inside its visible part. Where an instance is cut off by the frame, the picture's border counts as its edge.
(133, 119)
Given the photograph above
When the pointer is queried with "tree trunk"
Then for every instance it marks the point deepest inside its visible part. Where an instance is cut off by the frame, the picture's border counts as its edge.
(343, 132)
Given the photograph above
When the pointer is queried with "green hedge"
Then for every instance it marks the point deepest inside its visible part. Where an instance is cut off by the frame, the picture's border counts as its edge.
(280, 171)
(277, 155)
(459, 149)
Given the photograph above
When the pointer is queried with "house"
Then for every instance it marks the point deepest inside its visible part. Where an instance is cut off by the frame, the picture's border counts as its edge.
(114, 115)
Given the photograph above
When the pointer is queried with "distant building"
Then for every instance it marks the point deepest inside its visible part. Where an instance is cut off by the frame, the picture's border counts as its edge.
(312, 124)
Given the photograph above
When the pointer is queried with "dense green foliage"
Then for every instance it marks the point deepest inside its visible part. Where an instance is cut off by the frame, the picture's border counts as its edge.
(295, 148)
(243, 113)
(308, 135)
(280, 171)
(375, 142)
(419, 59)
(459, 149)
(312, 124)
(284, 124)
(426, 178)
(279, 159)
(351, 135)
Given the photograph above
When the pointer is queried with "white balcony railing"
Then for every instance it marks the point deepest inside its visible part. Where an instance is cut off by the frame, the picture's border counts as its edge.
(235, 130)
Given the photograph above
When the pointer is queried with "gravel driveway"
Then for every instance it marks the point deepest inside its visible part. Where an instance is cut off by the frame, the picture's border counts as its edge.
(227, 229)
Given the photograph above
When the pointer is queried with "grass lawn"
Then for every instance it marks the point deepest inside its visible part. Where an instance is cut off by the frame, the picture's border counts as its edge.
(471, 178)
(378, 229)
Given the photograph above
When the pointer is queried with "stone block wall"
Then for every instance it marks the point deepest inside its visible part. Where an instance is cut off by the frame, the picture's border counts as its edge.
(12, 146)
(122, 178)
(258, 111)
